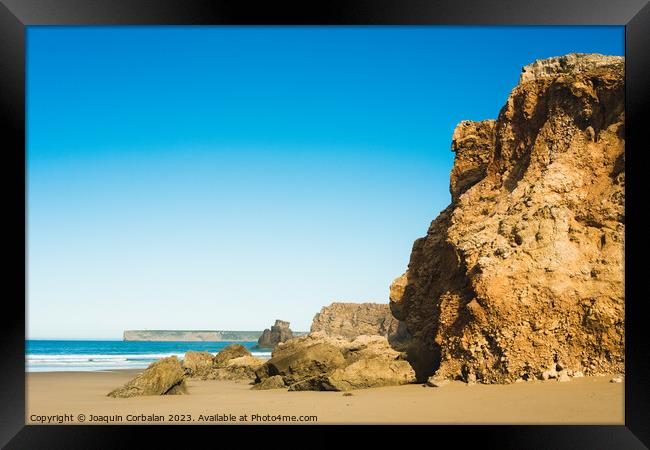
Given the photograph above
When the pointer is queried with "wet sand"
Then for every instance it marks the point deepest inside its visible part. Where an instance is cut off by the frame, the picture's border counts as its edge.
(589, 400)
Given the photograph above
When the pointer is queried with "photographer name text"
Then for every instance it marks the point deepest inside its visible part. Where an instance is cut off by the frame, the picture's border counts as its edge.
(59, 419)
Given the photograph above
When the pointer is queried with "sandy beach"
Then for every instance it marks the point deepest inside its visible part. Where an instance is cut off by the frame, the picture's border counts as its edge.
(589, 400)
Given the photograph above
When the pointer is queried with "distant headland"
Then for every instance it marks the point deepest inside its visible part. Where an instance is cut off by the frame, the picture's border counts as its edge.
(195, 335)
(191, 335)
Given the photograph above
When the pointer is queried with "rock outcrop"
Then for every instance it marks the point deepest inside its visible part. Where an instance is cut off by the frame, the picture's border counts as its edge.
(349, 320)
(523, 271)
(280, 332)
(163, 377)
(321, 362)
(233, 362)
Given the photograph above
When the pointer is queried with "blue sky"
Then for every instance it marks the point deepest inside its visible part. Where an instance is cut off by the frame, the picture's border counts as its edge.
(223, 177)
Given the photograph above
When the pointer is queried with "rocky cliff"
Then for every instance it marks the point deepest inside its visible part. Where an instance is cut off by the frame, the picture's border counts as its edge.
(350, 320)
(523, 272)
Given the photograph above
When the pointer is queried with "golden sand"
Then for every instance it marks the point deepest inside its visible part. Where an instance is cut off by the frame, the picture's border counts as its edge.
(63, 396)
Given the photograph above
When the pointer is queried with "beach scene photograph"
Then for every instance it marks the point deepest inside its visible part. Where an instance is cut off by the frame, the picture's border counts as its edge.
(320, 225)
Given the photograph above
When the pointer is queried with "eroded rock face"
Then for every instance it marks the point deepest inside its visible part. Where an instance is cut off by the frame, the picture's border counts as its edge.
(350, 320)
(321, 362)
(473, 143)
(524, 270)
(279, 332)
(163, 377)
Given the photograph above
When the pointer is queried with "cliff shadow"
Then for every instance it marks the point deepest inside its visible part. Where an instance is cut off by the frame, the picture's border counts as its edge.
(420, 349)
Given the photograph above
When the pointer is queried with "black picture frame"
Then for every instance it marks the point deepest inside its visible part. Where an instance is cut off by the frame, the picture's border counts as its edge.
(16, 15)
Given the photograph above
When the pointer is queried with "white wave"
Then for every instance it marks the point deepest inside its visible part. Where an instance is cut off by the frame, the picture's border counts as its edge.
(98, 362)
(71, 368)
(82, 357)
(87, 363)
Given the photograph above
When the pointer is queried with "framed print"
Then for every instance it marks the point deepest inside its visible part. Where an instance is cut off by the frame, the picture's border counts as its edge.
(355, 216)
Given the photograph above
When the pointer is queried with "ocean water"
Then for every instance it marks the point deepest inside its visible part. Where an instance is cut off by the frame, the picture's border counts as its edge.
(58, 356)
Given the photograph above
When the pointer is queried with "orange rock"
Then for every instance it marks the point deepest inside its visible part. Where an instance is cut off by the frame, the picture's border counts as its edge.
(525, 267)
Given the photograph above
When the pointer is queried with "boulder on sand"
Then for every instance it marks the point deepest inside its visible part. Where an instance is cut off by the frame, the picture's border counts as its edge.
(233, 362)
(373, 372)
(197, 364)
(321, 362)
(362, 374)
(163, 377)
(274, 382)
(241, 368)
(229, 352)
(298, 363)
